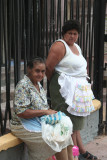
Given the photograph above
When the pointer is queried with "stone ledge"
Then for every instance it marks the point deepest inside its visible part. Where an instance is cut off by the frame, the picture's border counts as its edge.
(97, 104)
(9, 140)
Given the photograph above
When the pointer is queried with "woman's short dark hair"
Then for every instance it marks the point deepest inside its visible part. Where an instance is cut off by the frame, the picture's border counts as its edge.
(35, 60)
(71, 24)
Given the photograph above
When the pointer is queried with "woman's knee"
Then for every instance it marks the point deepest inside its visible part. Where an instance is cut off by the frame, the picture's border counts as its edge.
(63, 155)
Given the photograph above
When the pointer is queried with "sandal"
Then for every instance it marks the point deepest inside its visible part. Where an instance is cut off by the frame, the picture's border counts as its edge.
(88, 156)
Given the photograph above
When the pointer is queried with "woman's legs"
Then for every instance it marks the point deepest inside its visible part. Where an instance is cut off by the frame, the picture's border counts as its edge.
(74, 138)
(78, 141)
(70, 155)
(63, 155)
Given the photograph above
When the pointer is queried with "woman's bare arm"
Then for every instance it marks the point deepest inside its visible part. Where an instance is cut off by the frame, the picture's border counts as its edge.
(29, 113)
(56, 53)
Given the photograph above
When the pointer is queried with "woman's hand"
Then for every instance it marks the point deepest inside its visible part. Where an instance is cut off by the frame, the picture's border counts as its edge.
(50, 111)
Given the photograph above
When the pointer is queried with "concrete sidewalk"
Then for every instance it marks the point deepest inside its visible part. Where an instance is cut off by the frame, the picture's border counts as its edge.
(98, 147)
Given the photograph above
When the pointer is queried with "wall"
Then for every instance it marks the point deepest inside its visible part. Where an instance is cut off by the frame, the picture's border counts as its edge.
(90, 130)
(15, 153)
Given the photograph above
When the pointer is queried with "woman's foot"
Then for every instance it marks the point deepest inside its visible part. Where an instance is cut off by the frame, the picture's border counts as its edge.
(89, 156)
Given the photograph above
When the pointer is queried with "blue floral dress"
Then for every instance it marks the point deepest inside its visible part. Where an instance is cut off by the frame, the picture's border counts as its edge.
(28, 97)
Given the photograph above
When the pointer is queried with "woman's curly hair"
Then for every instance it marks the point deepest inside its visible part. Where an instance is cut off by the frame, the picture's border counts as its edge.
(71, 24)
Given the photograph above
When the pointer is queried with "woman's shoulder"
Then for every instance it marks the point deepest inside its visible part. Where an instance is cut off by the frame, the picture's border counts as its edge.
(58, 42)
(57, 46)
(22, 83)
(61, 41)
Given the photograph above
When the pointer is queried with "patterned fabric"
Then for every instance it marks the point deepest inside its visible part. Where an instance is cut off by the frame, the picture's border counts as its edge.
(78, 94)
(38, 149)
(53, 118)
(28, 97)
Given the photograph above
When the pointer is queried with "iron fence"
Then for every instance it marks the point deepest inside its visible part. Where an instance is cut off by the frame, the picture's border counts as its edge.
(29, 27)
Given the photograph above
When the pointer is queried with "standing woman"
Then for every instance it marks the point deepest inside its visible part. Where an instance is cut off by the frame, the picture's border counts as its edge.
(70, 92)
(30, 103)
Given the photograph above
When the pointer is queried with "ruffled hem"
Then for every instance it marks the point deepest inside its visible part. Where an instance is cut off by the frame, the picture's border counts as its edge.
(71, 111)
(77, 94)
(83, 107)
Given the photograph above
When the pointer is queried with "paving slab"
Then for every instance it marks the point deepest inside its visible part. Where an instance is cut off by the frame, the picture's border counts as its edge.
(98, 147)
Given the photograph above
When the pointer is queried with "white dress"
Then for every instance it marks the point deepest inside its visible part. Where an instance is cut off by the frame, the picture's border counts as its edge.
(73, 82)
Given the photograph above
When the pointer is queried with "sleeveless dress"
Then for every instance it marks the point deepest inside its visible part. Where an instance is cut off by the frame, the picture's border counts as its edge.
(75, 92)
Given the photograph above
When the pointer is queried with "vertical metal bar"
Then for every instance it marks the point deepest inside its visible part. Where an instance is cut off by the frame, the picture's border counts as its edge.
(47, 45)
(82, 38)
(60, 26)
(106, 108)
(59, 19)
(89, 31)
(105, 94)
(71, 9)
(46, 27)
(99, 25)
(58, 11)
(28, 16)
(8, 59)
(53, 17)
(35, 5)
(91, 51)
(6, 52)
(91, 46)
(24, 56)
(65, 10)
(32, 53)
(14, 44)
(1, 52)
(17, 38)
(44, 39)
(77, 15)
(43, 26)
(50, 34)
(39, 30)
(77, 9)
(9, 19)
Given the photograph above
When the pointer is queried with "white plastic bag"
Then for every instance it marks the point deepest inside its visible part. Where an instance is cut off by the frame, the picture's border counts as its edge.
(58, 136)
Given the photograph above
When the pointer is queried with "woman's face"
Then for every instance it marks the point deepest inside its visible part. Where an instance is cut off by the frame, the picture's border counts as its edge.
(37, 73)
(71, 37)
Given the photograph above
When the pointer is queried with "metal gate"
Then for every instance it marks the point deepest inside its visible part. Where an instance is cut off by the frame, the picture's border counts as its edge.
(100, 61)
(29, 27)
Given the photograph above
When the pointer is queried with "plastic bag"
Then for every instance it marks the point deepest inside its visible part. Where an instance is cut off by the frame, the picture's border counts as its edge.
(57, 136)
(53, 118)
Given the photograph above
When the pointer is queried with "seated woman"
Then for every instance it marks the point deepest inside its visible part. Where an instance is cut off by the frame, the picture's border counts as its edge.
(30, 104)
